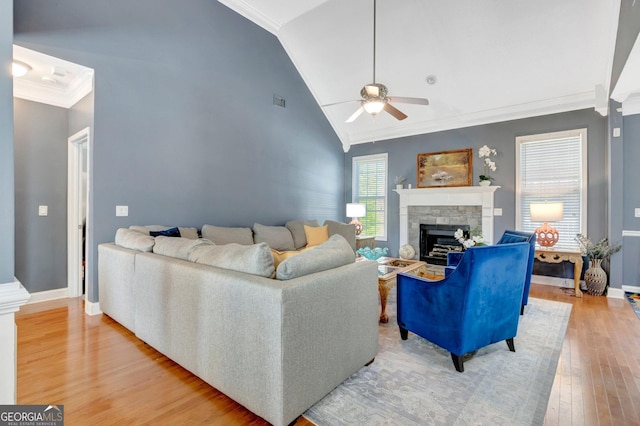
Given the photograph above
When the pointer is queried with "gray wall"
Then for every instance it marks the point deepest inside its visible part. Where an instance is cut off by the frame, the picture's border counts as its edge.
(40, 136)
(184, 129)
(631, 244)
(6, 145)
(403, 152)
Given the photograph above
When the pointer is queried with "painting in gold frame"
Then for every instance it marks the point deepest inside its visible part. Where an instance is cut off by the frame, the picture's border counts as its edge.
(445, 168)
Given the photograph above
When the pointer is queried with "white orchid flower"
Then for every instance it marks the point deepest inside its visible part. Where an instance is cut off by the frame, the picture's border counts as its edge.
(484, 151)
(458, 234)
(469, 243)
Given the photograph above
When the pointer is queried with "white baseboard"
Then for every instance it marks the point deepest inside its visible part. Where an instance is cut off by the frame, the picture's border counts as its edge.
(43, 296)
(615, 293)
(92, 308)
(554, 281)
(631, 288)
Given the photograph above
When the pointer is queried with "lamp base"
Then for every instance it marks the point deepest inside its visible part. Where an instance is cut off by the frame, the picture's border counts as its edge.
(356, 222)
(546, 236)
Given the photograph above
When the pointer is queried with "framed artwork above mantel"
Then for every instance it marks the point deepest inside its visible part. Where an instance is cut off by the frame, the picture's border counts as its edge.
(445, 168)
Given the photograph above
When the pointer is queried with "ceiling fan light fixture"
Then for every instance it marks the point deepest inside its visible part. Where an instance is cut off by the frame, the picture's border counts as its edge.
(373, 106)
(19, 68)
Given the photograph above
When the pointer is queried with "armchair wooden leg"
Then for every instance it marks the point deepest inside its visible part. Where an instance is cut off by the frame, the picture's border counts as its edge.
(512, 348)
(457, 362)
(404, 333)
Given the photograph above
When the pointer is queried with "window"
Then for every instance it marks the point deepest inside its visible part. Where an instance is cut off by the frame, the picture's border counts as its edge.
(552, 167)
(369, 187)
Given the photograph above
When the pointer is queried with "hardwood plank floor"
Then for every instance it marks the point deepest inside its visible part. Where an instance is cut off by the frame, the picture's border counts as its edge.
(104, 375)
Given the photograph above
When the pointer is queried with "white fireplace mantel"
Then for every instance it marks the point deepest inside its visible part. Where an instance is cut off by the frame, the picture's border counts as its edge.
(448, 196)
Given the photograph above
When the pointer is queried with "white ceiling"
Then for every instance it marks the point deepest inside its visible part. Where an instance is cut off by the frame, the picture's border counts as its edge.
(51, 80)
(494, 60)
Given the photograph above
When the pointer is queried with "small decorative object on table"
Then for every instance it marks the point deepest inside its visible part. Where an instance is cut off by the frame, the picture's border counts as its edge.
(372, 254)
(399, 180)
(595, 277)
(474, 238)
(486, 153)
(407, 251)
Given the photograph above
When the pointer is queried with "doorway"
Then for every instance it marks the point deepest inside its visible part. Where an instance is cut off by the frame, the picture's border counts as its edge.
(78, 210)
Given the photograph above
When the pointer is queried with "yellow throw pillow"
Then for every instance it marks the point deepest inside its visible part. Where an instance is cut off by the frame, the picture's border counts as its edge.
(316, 235)
(281, 256)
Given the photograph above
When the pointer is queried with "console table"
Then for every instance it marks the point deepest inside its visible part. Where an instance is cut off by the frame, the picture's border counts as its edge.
(558, 256)
(388, 268)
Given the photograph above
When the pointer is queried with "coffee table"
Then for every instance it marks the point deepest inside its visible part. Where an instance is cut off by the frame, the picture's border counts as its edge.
(388, 268)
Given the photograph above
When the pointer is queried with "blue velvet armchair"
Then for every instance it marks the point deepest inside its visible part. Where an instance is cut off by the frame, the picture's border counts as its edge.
(476, 305)
(509, 237)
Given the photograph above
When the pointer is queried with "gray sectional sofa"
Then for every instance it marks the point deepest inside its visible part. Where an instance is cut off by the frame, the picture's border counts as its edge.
(275, 339)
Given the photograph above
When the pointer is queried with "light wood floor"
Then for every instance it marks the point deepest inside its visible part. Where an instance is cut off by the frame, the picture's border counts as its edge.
(104, 375)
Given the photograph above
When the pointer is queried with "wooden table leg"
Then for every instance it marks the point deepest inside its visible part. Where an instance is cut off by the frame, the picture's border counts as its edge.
(384, 293)
(577, 270)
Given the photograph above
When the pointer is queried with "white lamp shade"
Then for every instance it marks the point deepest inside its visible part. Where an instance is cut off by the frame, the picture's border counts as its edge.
(546, 212)
(373, 106)
(356, 210)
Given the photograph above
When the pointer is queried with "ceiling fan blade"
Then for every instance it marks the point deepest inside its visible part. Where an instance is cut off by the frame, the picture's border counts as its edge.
(399, 115)
(405, 100)
(341, 102)
(372, 91)
(355, 115)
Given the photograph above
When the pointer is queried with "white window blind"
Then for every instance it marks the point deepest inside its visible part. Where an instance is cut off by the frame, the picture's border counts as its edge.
(369, 185)
(552, 167)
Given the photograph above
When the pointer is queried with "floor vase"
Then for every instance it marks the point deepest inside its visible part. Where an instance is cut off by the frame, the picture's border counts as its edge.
(595, 277)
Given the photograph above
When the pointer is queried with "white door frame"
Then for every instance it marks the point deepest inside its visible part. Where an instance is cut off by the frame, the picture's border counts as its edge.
(74, 206)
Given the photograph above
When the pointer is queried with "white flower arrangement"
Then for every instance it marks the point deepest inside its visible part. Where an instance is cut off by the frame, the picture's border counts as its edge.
(486, 153)
(475, 240)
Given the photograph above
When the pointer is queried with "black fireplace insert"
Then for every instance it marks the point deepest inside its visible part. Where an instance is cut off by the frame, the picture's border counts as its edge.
(437, 240)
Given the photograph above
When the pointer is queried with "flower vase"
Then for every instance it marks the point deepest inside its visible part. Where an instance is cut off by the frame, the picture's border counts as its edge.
(595, 277)
(484, 183)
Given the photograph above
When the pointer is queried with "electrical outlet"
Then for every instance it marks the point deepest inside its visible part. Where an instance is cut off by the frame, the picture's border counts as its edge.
(637, 212)
(43, 210)
(122, 210)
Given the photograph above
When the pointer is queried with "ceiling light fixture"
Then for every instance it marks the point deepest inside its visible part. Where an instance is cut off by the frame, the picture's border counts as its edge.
(373, 106)
(19, 68)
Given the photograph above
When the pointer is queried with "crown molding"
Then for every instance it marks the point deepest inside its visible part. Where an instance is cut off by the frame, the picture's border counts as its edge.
(53, 95)
(254, 15)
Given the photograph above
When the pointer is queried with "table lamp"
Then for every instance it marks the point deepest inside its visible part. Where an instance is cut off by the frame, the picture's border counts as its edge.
(546, 235)
(354, 211)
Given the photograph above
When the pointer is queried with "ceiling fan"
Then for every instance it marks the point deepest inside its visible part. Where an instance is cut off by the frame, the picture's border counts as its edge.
(374, 95)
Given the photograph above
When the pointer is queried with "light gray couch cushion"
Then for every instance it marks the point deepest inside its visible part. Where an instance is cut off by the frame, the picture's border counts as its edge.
(177, 247)
(347, 230)
(277, 237)
(296, 227)
(134, 240)
(185, 232)
(223, 235)
(255, 259)
(334, 253)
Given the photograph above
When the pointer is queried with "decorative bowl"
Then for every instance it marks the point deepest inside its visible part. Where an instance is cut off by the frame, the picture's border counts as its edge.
(372, 254)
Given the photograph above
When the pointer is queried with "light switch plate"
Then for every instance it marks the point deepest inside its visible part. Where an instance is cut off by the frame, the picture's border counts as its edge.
(497, 211)
(616, 132)
(43, 210)
(637, 212)
(122, 210)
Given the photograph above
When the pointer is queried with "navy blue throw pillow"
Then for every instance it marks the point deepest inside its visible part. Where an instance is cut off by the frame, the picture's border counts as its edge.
(171, 232)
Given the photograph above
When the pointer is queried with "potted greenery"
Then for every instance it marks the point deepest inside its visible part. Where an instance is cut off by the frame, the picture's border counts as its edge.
(399, 180)
(595, 277)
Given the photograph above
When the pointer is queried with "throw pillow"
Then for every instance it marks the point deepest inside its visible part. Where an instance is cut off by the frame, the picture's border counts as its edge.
(171, 232)
(185, 232)
(281, 256)
(277, 237)
(347, 230)
(333, 253)
(255, 259)
(316, 235)
(296, 227)
(179, 248)
(222, 235)
(133, 240)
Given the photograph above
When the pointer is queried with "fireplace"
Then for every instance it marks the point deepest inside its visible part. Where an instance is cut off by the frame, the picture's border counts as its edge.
(437, 240)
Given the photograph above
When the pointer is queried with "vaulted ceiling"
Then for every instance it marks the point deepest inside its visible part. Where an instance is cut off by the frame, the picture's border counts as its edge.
(492, 60)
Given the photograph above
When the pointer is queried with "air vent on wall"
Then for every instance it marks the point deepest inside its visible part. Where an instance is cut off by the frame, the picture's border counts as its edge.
(278, 101)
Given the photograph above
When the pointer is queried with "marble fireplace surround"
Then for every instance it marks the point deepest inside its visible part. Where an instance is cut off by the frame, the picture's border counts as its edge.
(482, 196)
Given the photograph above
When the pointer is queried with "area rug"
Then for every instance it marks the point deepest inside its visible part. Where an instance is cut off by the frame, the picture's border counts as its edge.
(634, 300)
(414, 382)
